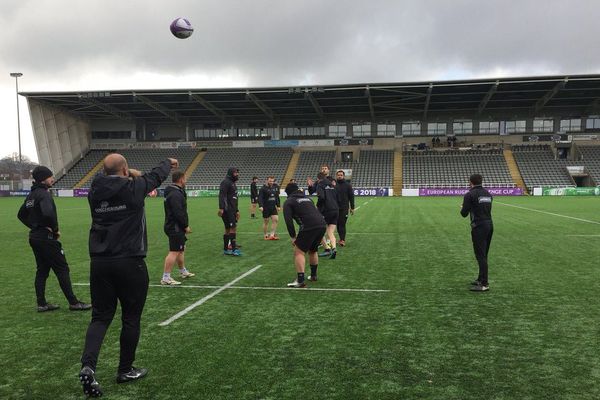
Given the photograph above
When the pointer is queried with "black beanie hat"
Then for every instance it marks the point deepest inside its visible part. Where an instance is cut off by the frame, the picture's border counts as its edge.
(41, 173)
(291, 188)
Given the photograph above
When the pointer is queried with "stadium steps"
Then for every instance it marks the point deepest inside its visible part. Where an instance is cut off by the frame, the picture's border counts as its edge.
(291, 169)
(89, 175)
(194, 164)
(398, 173)
(513, 168)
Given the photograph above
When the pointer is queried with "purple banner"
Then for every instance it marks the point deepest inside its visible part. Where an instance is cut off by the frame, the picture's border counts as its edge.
(461, 191)
(380, 192)
(80, 192)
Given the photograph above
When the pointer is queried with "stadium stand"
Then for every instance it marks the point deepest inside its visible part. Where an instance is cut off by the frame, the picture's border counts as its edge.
(374, 168)
(590, 158)
(452, 168)
(144, 160)
(80, 169)
(260, 162)
(309, 163)
(539, 167)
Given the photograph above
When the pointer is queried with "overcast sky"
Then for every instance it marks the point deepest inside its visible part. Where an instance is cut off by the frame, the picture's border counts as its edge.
(117, 44)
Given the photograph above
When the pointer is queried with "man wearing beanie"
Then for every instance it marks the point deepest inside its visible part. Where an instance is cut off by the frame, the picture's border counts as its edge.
(38, 213)
(311, 229)
(229, 211)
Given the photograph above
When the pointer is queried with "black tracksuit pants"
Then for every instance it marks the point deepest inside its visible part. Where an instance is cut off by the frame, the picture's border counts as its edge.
(49, 255)
(341, 224)
(125, 280)
(481, 236)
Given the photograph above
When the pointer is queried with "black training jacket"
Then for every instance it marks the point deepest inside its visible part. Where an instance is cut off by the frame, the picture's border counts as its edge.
(301, 209)
(268, 196)
(327, 196)
(478, 203)
(345, 194)
(312, 189)
(38, 213)
(176, 216)
(228, 195)
(118, 218)
(253, 190)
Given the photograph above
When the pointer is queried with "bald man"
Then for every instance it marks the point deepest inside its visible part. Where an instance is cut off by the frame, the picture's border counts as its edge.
(118, 272)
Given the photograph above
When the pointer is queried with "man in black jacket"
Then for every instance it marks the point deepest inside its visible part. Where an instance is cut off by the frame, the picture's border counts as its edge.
(312, 185)
(38, 213)
(270, 205)
(176, 227)
(327, 204)
(311, 223)
(253, 197)
(118, 245)
(229, 212)
(345, 195)
(477, 203)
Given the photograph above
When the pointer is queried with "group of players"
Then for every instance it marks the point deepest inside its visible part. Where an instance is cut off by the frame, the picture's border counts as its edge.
(317, 225)
(118, 241)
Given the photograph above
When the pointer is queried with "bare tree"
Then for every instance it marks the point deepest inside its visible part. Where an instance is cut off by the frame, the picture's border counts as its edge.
(11, 169)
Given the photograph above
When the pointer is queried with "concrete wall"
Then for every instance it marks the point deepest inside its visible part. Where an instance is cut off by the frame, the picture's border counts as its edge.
(60, 137)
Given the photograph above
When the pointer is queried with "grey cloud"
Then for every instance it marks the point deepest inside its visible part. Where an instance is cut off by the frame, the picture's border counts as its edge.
(288, 42)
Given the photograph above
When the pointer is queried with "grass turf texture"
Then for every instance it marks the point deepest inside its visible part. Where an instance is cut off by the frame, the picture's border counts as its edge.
(533, 336)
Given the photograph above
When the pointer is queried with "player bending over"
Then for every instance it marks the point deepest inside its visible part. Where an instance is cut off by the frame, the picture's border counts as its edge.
(311, 223)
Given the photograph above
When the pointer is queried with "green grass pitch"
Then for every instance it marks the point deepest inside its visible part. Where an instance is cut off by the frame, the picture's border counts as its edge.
(535, 335)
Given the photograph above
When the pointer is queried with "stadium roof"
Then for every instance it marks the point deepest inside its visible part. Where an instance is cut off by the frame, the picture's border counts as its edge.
(578, 94)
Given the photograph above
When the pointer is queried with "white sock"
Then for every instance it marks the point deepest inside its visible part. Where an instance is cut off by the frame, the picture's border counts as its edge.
(182, 270)
(166, 276)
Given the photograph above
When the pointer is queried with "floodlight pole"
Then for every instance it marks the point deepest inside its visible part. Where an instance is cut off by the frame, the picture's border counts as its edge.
(17, 75)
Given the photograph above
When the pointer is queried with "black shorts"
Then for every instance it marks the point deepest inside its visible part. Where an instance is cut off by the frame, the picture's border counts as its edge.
(267, 212)
(310, 240)
(229, 219)
(254, 200)
(331, 217)
(177, 242)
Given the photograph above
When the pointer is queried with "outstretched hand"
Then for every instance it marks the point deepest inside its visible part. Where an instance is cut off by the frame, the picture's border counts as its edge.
(174, 163)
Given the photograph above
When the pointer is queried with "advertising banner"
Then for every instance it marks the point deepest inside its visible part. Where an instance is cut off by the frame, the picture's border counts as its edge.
(315, 142)
(571, 191)
(213, 192)
(379, 192)
(248, 143)
(461, 191)
(281, 143)
(80, 192)
(14, 193)
(353, 142)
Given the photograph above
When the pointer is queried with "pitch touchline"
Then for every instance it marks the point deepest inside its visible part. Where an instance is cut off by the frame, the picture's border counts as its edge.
(207, 297)
(549, 213)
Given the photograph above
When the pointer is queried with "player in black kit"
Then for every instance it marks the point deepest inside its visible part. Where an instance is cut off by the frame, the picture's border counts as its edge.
(327, 204)
(229, 212)
(270, 205)
(311, 223)
(345, 195)
(478, 204)
(38, 213)
(253, 197)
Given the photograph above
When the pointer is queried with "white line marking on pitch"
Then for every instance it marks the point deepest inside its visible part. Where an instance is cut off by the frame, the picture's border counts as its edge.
(364, 204)
(262, 288)
(208, 297)
(583, 235)
(549, 213)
